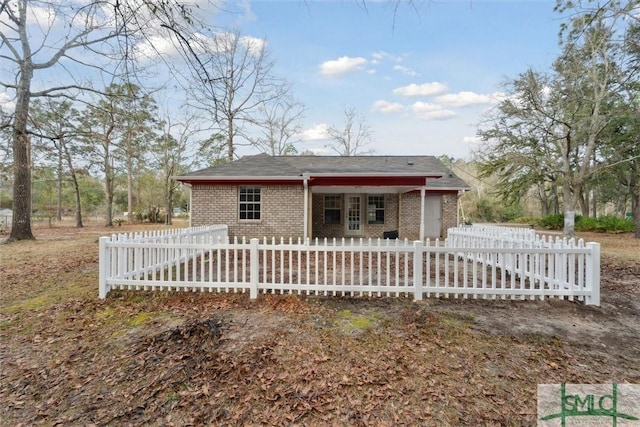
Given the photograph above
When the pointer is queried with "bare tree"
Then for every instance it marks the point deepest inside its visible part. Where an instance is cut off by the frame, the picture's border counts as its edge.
(170, 156)
(353, 137)
(279, 123)
(238, 81)
(40, 35)
(82, 31)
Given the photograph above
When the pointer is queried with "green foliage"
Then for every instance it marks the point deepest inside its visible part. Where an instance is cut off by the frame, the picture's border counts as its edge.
(552, 222)
(602, 224)
(484, 210)
(525, 220)
(605, 224)
(489, 209)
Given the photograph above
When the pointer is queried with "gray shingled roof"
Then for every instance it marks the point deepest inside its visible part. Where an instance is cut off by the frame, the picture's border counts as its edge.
(264, 165)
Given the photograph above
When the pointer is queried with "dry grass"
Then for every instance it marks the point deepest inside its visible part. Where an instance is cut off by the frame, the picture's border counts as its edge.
(194, 359)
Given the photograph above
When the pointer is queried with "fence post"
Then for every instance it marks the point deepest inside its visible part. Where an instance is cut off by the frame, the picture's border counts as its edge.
(254, 268)
(417, 270)
(104, 263)
(593, 274)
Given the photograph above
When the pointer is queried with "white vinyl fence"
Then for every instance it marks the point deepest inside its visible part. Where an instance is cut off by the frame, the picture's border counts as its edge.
(471, 265)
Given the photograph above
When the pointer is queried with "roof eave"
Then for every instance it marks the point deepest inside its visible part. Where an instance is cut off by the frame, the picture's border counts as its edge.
(238, 178)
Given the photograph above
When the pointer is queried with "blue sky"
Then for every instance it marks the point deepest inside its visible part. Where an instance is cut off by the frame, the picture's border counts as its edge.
(422, 80)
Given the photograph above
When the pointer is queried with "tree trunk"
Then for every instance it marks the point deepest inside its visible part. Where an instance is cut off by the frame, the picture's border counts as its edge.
(76, 190)
(636, 212)
(169, 209)
(129, 188)
(59, 198)
(21, 225)
(544, 199)
(230, 147)
(74, 181)
(583, 200)
(568, 196)
(108, 188)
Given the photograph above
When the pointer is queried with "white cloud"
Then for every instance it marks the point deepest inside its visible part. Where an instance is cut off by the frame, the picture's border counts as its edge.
(471, 139)
(464, 99)
(155, 46)
(383, 56)
(387, 107)
(254, 45)
(164, 44)
(430, 111)
(6, 103)
(379, 55)
(223, 41)
(425, 89)
(342, 65)
(405, 70)
(316, 133)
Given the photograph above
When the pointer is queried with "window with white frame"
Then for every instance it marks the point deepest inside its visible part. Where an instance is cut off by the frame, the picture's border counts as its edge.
(375, 209)
(332, 208)
(249, 203)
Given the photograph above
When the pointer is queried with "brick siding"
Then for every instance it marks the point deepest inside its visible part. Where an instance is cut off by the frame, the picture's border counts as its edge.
(282, 208)
(449, 212)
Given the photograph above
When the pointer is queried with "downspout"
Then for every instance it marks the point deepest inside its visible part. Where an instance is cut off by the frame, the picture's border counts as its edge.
(190, 207)
(422, 225)
(460, 193)
(305, 226)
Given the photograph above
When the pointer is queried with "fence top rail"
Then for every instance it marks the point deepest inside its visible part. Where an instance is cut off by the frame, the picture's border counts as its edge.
(473, 234)
(348, 248)
(150, 235)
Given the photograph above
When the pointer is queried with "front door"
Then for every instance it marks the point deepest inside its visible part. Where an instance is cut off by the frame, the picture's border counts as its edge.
(432, 215)
(353, 211)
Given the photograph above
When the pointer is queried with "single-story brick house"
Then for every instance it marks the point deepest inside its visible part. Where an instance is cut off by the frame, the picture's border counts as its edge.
(411, 197)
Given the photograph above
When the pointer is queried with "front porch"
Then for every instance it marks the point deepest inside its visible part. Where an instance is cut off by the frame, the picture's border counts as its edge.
(371, 207)
(376, 215)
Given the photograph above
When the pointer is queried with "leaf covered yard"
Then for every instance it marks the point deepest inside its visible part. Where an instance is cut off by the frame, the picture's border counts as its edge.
(182, 359)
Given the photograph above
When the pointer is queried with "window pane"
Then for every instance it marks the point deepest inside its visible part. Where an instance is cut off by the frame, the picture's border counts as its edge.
(375, 209)
(249, 203)
(332, 208)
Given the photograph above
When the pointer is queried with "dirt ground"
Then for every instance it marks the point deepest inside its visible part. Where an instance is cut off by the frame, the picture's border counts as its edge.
(161, 359)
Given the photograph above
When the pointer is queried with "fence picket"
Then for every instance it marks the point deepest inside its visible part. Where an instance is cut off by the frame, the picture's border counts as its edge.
(482, 262)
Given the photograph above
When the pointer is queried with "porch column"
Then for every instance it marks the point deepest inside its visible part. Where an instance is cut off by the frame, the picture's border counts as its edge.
(422, 219)
(305, 225)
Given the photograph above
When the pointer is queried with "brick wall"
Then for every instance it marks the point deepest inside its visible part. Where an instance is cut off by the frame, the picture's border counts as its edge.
(281, 210)
(410, 216)
(449, 212)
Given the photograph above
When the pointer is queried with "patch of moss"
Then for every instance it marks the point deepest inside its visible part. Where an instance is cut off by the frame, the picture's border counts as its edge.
(52, 295)
(349, 322)
(141, 319)
(106, 314)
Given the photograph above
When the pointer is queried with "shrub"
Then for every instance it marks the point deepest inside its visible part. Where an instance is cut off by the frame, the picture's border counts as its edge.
(602, 224)
(605, 224)
(526, 220)
(552, 222)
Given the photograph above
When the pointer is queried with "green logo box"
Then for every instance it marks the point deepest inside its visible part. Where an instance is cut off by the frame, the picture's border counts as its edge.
(565, 405)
